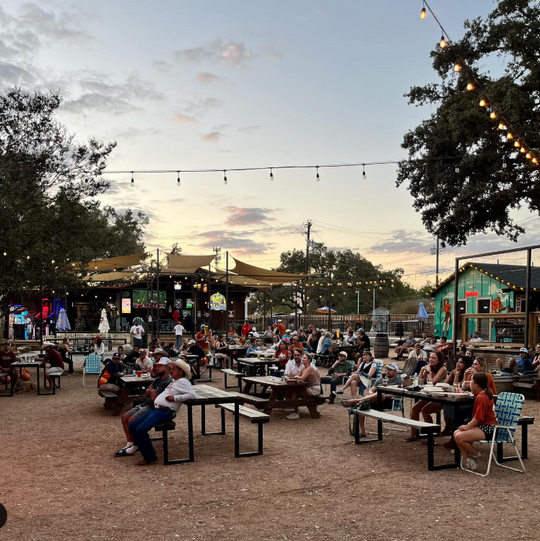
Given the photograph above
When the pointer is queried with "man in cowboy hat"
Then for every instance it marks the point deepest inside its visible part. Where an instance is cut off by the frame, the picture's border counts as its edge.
(166, 405)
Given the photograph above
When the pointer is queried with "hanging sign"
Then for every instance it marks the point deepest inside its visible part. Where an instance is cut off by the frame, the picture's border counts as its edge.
(189, 304)
(471, 293)
(126, 306)
(218, 302)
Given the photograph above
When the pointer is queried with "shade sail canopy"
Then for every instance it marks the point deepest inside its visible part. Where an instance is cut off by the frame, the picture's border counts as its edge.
(242, 280)
(113, 263)
(266, 275)
(110, 276)
(188, 264)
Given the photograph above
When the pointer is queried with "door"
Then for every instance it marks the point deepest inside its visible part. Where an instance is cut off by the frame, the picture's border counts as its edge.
(462, 308)
(483, 306)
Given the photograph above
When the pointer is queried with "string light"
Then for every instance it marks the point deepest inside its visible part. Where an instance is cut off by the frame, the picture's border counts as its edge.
(271, 174)
(443, 43)
(423, 13)
(493, 115)
(470, 87)
(364, 176)
(318, 178)
(225, 181)
(483, 103)
(457, 67)
(509, 135)
(502, 126)
(517, 144)
(523, 150)
(132, 179)
(178, 181)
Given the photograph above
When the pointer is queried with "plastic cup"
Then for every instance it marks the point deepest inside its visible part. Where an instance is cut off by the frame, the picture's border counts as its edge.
(139, 374)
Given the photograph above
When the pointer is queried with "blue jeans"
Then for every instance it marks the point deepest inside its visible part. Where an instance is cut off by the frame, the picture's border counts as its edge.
(178, 341)
(140, 427)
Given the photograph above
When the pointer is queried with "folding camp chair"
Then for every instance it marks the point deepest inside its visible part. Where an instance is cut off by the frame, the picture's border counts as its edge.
(91, 365)
(508, 411)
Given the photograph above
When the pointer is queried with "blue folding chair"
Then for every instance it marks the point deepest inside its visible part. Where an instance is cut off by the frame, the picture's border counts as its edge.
(91, 365)
(508, 411)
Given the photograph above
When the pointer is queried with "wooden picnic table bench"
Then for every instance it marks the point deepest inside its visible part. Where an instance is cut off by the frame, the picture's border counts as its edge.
(527, 383)
(116, 403)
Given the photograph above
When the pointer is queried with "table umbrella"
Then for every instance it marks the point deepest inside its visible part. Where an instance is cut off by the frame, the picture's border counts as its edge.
(62, 323)
(422, 314)
(103, 323)
(325, 310)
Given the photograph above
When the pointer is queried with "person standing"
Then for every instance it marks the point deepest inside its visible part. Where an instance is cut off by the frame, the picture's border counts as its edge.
(178, 332)
(137, 332)
(246, 328)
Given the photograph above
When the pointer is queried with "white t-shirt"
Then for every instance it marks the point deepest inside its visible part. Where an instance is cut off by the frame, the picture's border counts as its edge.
(292, 369)
(181, 389)
(179, 330)
(477, 339)
(137, 331)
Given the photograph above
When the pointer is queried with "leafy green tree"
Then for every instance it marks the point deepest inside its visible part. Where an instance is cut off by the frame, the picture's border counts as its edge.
(50, 213)
(463, 172)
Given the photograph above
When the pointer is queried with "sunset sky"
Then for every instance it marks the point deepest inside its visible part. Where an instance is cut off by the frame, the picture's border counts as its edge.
(207, 84)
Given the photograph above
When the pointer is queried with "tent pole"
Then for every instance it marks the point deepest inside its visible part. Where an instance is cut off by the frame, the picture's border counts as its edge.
(226, 294)
(456, 308)
(209, 293)
(528, 298)
(157, 313)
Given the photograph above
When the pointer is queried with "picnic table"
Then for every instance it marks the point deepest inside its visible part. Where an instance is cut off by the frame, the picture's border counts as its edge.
(260, 353)
(37, 365)
(206, 396)
(278, 398)
(128, 395)
(256, 366)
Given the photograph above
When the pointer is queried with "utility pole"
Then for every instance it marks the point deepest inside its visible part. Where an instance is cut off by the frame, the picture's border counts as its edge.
(308, 224)
(217, 259)
(437, 263)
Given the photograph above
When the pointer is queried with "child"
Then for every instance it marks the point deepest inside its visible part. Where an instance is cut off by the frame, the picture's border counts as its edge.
(482, 424)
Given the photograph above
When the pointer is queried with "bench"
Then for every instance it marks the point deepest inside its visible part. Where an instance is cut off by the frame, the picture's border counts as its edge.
(251, 399)
(382, 417)
(533, 386)
(254, 416)
(165, 428)
(230, 372)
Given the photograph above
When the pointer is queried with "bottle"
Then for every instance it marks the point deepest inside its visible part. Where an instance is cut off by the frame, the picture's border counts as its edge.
(415, 380)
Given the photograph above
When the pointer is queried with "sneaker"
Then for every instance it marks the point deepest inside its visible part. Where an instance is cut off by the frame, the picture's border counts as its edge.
(477, 455)
(293, 416)
(471, 464)
(333, 394)
(339, 391)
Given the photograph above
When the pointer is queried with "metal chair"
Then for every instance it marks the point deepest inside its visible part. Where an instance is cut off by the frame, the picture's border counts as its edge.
(91, 365)
(508, 411)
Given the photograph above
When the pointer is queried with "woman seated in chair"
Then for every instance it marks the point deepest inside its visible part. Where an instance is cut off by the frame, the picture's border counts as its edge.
(433, 373)
(223, 353)
(364, 370)
(310, 375)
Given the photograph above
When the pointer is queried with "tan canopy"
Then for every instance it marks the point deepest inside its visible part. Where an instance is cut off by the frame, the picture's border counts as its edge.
(242, 280)
(113, 263)
(265, 275)
(110, 276)
(188, 264)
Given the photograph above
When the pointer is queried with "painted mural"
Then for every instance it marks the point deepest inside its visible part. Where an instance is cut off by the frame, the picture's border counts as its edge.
(476, 293)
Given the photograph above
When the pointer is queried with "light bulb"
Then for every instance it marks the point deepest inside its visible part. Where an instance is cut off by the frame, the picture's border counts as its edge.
(523, 150)
(364, 176)
(470, 87)
(456, 169)
(178, 181)
(132, 179)
(225, 181)
(493, 115)
(502, 126)
(517, 144)
(535, 161)
(318, 178)
(528, 155)
(423, 13)
(483, 103)
(457, 67)
(509, 135)
(443, 43)
(271, 174)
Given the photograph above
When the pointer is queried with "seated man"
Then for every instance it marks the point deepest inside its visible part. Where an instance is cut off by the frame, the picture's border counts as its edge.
(419, 356)
(476, 337)
(350, 338)
(109, 377)
(424, 341)
(162, 370)
(195, 349)
(55, 359)
(524, 362)
(512, 367)
(294, 366)
(7, 357)
(363, 342)
(340, 370)
(371, 397)
(444, 347)
(166, 405)
(405, 347)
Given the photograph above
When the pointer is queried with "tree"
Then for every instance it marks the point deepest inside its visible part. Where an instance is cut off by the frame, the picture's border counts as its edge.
(50, 215)
(463, 172)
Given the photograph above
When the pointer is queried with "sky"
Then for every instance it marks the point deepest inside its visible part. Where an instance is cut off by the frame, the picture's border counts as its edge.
(207, 84)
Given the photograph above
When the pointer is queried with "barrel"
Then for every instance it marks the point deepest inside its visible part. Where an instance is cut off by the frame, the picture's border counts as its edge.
(382, 346)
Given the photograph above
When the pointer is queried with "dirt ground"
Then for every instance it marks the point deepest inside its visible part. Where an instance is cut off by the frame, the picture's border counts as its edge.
(60, 480)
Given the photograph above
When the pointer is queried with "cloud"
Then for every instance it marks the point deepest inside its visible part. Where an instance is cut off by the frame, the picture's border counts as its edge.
(233, 53)
(206, 78)
(247, 216)
(202, 105)
(99, 103)
(241, 245)
(249, 129)
(11, 74)
(212, 137)
(131, 133)
(184, 119)
(161, 65)
(405, 241)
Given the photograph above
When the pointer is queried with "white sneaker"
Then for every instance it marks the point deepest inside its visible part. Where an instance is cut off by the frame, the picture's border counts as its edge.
(471, 464)
(293, 416)
(288, 409)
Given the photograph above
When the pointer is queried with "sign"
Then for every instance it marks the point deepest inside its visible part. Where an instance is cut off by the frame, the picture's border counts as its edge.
(471, 293)
(218, 302)
(189, 304)
(126, 306)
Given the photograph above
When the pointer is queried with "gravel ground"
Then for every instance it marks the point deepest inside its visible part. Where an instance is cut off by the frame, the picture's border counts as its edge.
(59, 480)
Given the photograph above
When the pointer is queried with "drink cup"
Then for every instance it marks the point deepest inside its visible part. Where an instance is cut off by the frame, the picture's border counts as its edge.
(385, 382)
(139, 374)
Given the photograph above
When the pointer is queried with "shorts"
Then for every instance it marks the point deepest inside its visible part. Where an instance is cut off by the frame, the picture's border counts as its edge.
(137, 411)
(54, 370)
(487, 430)
(314, 391)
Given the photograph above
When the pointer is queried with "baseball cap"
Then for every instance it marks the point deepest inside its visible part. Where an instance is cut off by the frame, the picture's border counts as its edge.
(343, 353)
(116, 357)
(164, 361)
(159, 351)
(524, 350)
(392, 366)
(191, 342)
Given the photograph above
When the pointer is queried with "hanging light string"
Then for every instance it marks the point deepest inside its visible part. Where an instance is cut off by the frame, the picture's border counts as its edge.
(518, 142)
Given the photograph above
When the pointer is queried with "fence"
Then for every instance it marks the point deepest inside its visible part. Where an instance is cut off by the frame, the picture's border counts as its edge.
(394, 324)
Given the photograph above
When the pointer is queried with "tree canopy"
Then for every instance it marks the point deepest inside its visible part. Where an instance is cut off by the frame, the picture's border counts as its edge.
(463, 172)
(336, 283)
(50, 212)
